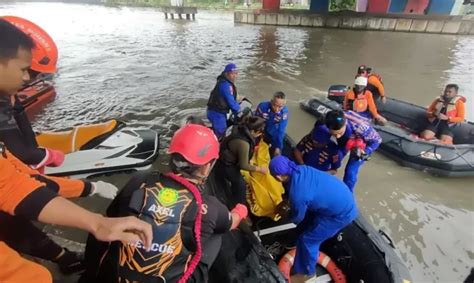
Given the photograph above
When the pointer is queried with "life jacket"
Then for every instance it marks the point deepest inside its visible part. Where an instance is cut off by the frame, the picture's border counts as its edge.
(447, 107)
(375, 91)
(237, 132)
(216, 101)
(162, 201)
(359, 103)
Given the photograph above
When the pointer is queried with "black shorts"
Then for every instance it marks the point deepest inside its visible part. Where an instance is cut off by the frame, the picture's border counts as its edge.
(440, 128)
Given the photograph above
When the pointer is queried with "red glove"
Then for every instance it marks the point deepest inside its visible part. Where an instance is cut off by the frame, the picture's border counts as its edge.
(356, 143)
(54, 158)
(240, 210)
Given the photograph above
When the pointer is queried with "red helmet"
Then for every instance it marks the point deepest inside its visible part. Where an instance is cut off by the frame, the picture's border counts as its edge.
(196, 143)
(45, 52)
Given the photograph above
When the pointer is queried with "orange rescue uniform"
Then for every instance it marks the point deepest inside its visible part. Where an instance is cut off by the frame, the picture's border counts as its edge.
(361, 103)
(20, 194)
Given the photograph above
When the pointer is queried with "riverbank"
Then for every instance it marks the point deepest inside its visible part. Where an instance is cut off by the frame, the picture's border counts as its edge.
(360, 21)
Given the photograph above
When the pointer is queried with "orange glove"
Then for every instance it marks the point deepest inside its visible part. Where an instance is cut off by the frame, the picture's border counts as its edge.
(241, 210)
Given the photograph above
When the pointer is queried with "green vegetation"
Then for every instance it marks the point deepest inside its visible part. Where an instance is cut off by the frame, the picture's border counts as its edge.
(339, 5)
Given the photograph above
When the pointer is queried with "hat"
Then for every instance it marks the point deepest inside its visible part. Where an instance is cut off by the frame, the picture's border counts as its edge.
(321, 134)
(280, 165)
(230, 68)
(363, 68)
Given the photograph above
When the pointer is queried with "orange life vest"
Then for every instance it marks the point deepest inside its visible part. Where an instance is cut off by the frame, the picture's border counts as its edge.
(359, 103)
(447, 107)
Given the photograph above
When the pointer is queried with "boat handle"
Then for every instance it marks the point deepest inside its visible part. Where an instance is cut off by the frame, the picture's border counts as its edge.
(389, 240)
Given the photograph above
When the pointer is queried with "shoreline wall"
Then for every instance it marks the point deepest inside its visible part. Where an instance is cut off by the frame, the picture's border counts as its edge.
(463, 25)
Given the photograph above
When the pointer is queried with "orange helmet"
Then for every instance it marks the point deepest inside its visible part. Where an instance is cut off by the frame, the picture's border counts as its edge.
(45, 52)
(196, 143)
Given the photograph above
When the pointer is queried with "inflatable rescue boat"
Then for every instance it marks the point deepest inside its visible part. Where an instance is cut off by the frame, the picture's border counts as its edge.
(262, 252)
(400, 140)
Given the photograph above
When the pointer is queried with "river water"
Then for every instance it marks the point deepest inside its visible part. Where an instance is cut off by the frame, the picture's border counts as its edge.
(132, 64)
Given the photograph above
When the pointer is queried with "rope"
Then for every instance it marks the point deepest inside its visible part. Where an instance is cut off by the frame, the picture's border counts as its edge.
(399, 142)
(197, 226)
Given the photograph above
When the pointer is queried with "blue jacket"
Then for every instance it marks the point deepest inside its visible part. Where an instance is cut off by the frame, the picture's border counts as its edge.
(321, 194)
(360, 127)
(324, 158)
(276, 122)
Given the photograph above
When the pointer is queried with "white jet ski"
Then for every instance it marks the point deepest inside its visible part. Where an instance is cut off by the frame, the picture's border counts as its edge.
(101, 148)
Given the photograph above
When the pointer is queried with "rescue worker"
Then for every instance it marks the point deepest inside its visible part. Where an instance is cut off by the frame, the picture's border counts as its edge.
(236, 151)
(355, 136)
(187, 226)
(15, 60)
(444, 113)
(275, 113)
(374, 84)
(23, 196)
(359, 99)
(319, 204)
(318, 151)
(223, 99)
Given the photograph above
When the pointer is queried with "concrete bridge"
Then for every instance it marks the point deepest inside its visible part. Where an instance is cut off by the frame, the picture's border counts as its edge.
(417, 7)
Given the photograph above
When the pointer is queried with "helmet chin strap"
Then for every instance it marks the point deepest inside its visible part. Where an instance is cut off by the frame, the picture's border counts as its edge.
(198, 178)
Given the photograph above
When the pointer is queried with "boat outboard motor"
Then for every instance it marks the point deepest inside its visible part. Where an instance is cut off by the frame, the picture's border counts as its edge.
(338, 93)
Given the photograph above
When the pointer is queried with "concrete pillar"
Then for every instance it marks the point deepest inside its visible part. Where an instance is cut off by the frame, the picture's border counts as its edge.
(319, 6)
(273, 5)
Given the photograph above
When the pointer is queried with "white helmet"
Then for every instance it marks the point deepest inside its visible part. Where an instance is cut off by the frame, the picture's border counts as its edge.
(362, 81)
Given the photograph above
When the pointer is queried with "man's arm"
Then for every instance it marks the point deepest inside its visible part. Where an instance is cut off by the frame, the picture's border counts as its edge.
(225, 90)
(22, 195)
(373, 80)
(278, 140)
(372, 140)
(461, 115)
(130, 229)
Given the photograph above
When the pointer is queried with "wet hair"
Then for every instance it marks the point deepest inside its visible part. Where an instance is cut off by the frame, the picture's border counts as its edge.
(254, 123)
(195, 120)
(12, 39)
(455, 86)
(335, 120)
(279, 95)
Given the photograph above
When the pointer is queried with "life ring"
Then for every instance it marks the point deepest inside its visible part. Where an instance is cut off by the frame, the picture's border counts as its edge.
(286, 263)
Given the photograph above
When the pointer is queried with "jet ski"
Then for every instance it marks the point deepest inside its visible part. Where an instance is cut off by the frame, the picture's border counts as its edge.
(400, 140)
(101, 148)
(251, 254)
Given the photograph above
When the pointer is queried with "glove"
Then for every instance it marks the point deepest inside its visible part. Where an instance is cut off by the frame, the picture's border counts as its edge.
(282, 208)
(54, 158)
(104, 189)
(355, 143)
(241, 210)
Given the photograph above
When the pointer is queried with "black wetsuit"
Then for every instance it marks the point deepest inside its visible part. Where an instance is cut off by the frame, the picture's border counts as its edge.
(17, 134)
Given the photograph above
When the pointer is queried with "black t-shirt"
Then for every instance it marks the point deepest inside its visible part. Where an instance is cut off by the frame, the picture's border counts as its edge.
(216, 218)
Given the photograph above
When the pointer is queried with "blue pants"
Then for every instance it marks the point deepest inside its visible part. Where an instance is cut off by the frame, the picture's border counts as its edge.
(314, 232)
(352, 171)
(218, 121)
